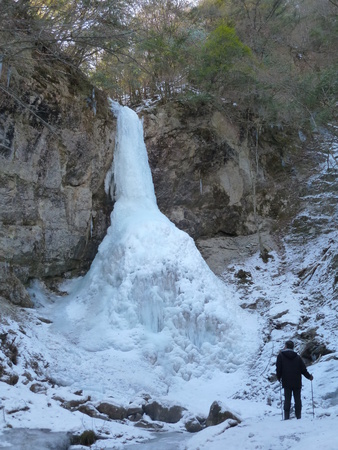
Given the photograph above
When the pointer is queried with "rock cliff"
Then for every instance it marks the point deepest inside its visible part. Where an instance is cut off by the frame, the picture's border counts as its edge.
(212, 178)
(56, 146)
(208, 177)
(220, 180)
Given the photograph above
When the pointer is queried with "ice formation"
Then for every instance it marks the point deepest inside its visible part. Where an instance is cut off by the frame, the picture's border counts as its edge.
(148, 287)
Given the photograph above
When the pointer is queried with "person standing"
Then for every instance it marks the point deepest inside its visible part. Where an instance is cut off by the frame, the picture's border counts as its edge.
(289, 369)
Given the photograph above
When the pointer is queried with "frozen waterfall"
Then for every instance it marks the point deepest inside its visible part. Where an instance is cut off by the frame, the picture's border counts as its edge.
(148, 288)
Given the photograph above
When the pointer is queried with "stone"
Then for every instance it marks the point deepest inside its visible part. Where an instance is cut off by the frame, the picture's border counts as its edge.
(73, 405)
(28, 376)
(135, 417)
(38, 388)
(314, 349)
(219, 413)
(12, 289)
(134, 410)
(148, 425)
(243, 276)
(114, 412)
(134, 413)
(193, 425)
(91, 411)
(156, 411)
(10, 378)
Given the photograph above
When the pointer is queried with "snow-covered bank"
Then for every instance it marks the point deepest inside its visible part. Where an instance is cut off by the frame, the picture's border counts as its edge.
(248, 391)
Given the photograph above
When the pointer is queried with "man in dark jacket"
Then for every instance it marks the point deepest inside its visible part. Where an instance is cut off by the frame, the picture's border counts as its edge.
(289, 368)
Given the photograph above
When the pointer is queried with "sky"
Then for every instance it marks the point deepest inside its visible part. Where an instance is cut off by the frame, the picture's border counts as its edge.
(151, 319)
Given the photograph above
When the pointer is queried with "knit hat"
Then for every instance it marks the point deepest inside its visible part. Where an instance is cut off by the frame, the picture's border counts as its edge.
(290, 345)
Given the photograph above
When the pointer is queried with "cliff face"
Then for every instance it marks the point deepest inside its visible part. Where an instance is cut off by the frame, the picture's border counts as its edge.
(210, 177)
(55, 151)
(56, 146)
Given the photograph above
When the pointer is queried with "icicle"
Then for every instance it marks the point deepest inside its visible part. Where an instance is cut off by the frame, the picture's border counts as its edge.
(91, 227)
(1, 65)
(9, 73)
(108, 183)
(201, 186)
(302, 136)
(93, 102)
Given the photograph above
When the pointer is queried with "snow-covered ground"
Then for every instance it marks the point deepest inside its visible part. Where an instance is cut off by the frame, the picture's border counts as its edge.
(181, 337)
(248, 391)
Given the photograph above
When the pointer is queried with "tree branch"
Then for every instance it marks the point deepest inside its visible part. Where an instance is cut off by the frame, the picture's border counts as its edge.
(11, 94)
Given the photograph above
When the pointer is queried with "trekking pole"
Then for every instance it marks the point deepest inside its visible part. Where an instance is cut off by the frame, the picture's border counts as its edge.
(281, 402)
(313, 405)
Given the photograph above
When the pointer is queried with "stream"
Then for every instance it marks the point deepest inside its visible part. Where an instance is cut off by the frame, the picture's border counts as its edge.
(164, 441)
(37, 439)
(28, 439)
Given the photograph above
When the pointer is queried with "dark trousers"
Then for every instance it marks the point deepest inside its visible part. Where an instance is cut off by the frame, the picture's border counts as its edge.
(287, 402)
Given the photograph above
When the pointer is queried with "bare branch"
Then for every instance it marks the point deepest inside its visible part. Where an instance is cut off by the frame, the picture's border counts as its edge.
(11, 94)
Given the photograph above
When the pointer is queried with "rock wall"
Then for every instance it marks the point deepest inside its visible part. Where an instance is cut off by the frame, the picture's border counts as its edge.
(56, 146)
(208, 179)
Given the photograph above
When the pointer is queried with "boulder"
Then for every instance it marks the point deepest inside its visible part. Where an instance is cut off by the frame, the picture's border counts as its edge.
(91, 411)
(243, 276)
(193, 425)
(38, 388)
(134, 413)
(8, 377)
(314, 349)
(114, 412)
(11, 288)
(148, 425)
(73, 405)
(219, 413)
(156, 411)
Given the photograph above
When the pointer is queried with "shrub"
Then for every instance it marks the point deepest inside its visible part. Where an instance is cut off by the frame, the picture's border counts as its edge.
(88, 437)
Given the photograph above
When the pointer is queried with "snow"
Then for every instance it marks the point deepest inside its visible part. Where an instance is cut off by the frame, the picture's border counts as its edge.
(151, 319)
